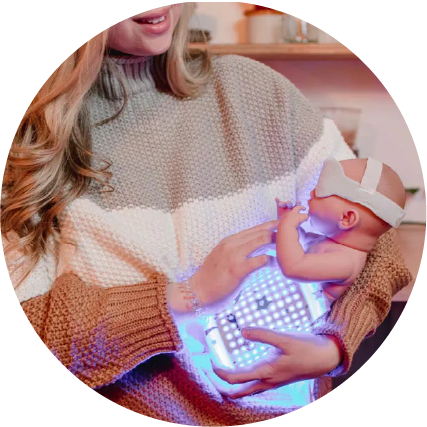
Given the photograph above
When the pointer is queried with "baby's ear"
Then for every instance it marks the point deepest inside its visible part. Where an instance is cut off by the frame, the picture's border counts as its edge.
(350, 218)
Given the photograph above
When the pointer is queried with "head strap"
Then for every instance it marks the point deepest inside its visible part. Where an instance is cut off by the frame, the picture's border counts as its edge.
(334, 182)
(372, 176)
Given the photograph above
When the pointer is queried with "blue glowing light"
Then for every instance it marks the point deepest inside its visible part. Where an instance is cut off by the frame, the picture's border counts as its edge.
(268, 300)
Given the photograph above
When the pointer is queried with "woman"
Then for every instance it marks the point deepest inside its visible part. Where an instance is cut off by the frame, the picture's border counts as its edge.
(138, 183)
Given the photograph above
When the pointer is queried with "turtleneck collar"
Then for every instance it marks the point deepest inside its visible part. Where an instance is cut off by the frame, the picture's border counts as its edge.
(134, 72)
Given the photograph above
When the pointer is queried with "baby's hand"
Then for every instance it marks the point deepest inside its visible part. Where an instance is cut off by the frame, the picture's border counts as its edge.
(283, 207)
(289, 214)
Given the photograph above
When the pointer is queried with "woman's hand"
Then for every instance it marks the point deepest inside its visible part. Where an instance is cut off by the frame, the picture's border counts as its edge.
(295, 357)
(225, 267)
(228, 264)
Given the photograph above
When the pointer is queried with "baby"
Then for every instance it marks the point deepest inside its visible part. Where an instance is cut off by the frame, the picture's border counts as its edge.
(354, 203)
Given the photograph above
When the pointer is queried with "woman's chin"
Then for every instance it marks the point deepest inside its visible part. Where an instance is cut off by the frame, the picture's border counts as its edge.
(158, 47)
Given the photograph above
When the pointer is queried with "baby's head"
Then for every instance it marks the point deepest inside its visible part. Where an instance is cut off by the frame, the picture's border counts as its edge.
(370, 202)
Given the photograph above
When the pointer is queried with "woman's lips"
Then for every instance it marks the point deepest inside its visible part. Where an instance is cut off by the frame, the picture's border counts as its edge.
(152, 21)
(155, 22)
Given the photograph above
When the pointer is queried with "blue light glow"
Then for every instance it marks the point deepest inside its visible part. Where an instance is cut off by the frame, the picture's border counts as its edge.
(268, 300)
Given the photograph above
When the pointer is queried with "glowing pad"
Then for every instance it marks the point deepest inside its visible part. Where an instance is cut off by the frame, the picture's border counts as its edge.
(269, 300)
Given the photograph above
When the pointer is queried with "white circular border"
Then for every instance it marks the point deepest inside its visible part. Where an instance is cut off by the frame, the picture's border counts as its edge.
(37, 37)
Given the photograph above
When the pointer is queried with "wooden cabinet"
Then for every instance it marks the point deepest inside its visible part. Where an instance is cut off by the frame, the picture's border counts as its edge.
(293, 51)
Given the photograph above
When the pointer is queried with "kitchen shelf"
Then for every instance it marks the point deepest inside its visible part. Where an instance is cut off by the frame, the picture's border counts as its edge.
(296, 51)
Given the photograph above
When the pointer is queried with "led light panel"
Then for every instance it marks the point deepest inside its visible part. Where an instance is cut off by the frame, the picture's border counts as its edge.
(269, 300)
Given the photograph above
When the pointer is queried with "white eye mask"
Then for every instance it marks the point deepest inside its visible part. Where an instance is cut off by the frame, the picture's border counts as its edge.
(333, 182)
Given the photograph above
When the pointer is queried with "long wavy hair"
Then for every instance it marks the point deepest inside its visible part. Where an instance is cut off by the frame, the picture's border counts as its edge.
(49, 164)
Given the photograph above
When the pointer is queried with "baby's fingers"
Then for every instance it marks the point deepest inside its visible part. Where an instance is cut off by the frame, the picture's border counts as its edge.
(298, 208)
(302, 218)
(285, 205)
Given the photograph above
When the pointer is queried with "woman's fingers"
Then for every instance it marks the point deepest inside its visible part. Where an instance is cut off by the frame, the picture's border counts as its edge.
(251, 264)
(262, 372)
(256, 240)
(267, 336)
(269, 225)
(235, 391)
(251, 389)
(223, 387)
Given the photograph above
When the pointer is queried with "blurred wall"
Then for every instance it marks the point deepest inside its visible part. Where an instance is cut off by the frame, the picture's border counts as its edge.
(382, 133)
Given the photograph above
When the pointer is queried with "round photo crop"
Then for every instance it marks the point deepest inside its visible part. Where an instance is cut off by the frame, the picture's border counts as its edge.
(207, 208)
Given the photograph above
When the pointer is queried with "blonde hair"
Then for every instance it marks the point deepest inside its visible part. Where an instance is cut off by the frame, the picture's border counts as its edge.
(49, 164)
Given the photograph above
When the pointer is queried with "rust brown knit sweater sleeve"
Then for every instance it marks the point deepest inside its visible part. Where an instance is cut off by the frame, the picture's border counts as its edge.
(366, 303)
(100, 333)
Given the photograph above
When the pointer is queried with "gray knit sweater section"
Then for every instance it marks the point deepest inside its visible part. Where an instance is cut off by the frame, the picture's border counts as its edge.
(249, 126)
(186, 172)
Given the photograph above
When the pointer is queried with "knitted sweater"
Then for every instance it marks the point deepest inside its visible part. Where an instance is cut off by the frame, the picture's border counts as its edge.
(186, 174)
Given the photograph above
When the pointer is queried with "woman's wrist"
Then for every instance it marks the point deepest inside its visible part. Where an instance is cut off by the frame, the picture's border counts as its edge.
(336, 345)
(175, 299)
(183, 299)
(189, 291)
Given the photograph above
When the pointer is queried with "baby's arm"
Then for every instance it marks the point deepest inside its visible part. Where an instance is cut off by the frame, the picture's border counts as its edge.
(296, 264)
(282, 209)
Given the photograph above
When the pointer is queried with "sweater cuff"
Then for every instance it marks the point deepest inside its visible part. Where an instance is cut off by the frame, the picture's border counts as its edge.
(140, 320)
(348, 323)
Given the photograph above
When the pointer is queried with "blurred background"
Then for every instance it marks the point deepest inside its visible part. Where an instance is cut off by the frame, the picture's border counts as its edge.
(340, 84)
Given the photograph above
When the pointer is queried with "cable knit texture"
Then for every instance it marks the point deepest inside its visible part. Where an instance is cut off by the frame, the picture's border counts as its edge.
(186, 174)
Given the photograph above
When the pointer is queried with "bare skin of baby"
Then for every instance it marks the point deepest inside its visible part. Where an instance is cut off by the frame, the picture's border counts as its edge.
(309, 257)
(347, 233)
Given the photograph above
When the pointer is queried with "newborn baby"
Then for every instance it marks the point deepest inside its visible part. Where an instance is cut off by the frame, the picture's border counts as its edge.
(354, 203)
